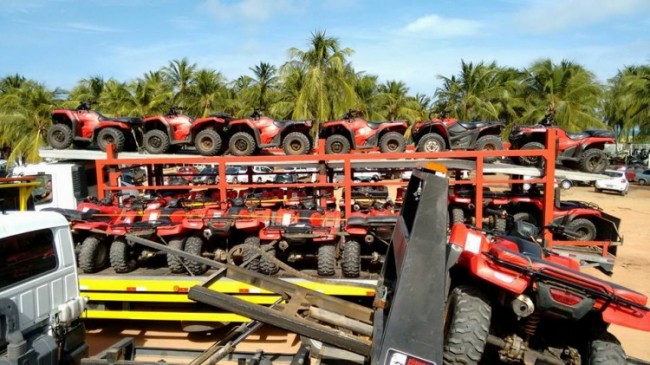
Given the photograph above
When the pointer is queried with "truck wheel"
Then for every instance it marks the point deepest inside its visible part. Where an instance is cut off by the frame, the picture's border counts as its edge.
(296, 143)
(93, 255)
(267, 266)
(248, 253)
(337, 144)
(351, 259)
(194, 246)
(392, 142)
(606, 350)
(122, 257)
(642, 182)
(467, 324)
(431, 142)
(174, 262)
(525, 217)
(59, 136)
(242, 144)
(326, 259)
(583, 228)
(156, 141)
(594, 161)
(208, 142)
(532, 160)
(489, 142)
(111, 135)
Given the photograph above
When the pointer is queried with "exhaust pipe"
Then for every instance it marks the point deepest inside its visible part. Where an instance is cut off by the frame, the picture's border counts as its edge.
(369, 239)
(207, 233)
(522, 306)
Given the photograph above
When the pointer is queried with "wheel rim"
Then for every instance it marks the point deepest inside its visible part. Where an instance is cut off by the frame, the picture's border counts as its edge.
(392, 145)
(595, 163)
(241, 144)
(295, 146)
(336, 147)
(489, 147)
(206, 143)
(108, 139)
(431, 145)
(155, 141)
(58, 136)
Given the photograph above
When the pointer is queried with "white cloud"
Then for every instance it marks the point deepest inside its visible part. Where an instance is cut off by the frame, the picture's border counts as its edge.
(549, 16)
(435, 26)
(251, 10)
(84, 27)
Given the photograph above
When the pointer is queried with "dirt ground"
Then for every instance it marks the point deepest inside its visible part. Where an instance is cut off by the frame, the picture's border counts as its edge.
(632, 270)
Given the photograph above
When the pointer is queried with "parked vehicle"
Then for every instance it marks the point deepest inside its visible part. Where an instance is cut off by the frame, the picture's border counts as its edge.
(368, 237)
(174, 129)
(301, 233)
(259, 174)
(449, 133)
(583, 150)
(285, 179)
(531, 306)
(352, 132)
(207, 176)
(642, 177)
(617, 182)
(251, 134)
(82, 127)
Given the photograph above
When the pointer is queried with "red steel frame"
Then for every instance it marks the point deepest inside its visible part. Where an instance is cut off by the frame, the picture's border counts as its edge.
(112, 160)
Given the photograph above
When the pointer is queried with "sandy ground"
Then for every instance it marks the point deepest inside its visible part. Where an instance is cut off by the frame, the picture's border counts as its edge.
(632, 270)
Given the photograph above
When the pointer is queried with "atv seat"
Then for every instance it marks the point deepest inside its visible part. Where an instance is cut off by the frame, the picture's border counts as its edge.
(299, 228)
(577, 136)
(472, 125)
(129, 120)
(73, 214)
(374, 125)
(529, 249)
(601, 133)
(224, 116)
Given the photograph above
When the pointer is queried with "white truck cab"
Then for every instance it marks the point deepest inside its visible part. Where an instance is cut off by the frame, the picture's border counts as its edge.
(40, 305)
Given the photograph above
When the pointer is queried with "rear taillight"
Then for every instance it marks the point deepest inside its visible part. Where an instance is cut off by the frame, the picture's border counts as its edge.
(565, 297)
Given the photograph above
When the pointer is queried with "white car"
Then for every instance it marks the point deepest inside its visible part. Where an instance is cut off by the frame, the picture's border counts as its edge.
(616, 182)
(239, 174)
(305, 173)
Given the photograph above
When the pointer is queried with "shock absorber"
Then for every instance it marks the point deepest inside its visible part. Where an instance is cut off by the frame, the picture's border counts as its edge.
(530, 324)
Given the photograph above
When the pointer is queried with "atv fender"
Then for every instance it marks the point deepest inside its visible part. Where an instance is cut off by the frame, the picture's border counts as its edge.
(432, 127)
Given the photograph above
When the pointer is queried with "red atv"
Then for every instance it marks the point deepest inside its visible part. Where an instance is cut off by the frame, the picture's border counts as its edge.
(449, 133)
(374, 229)
(249, 135)
(531, 306)
(82, 126)
(236, 224)
(352, 132)
(86, 222)
(582, 151)
(302, 232)
(163, 132)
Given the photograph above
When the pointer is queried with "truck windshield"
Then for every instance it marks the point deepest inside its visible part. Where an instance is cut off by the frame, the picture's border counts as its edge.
(26, 256)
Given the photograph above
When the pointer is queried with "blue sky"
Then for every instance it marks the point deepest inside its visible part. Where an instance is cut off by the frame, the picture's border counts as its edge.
(61, 41)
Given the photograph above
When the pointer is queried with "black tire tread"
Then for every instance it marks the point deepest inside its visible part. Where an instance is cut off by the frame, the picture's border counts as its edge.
(457, 215)
(303, 138)
(63, 128)
(267, 266)
(606, 350)
(120, 258)
(118, 136)
(249, 253)
(88, 255)
(326, 259)
(467, 335)
(489, 139)
(532, 160)
(217, 145)
(383, 142)
(583, 223)
(351, 259)
(586, 155)
(252, 145)
(337, 138)
(174, 263)
(194, 246)
(164, 146)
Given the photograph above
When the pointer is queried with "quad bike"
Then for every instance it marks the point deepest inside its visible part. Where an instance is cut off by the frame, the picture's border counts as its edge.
(295, 197)
(298, 233)
(249, 135)
(528, 306)
(212, 227)
(352, 132)
(82, 126)
(88, 225)
(582, 151)
(364, 198)
(368, 237)
(263, 197)
(449, 133)
(141, 218)
(163, 132)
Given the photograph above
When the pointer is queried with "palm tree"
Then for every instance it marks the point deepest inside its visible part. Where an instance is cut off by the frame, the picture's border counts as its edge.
(290, 85)
(180, 74)
(240, 102)
(117, 99)
(89, 89)
(627, 102)
(396, 104)
(25, 118)
(265, 80)
(567, 90)
(208, 92)
(366, 88)
(151, 94)
(327, 90)
(11, 82)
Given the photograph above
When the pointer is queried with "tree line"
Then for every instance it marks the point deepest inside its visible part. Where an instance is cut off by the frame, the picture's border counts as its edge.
(320, 83)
